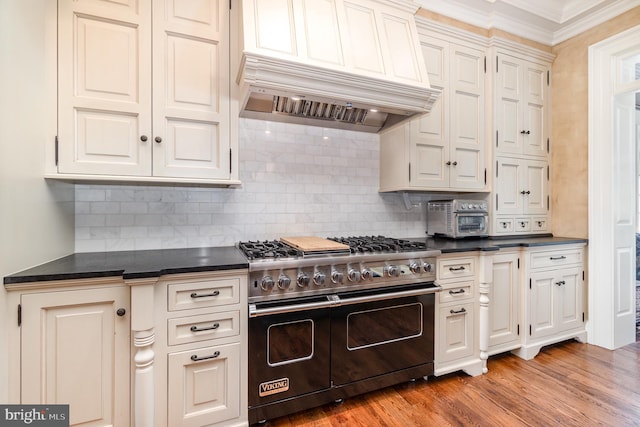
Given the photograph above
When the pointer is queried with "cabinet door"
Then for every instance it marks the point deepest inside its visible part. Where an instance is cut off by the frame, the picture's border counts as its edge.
(536, 187)
(104, 87)
(204, 386)
(536, 104)
(504, 301)
(509, 107)
(508, 186)
(455, 332)
(191, 89)
(75, 350)
(570, 304)
(466, 92)
(542, 304)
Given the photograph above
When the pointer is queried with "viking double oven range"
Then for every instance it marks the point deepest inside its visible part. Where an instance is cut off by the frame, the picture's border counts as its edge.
(330, 323)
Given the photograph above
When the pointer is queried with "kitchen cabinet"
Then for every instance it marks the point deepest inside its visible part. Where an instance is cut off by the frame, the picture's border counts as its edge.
(201, 349)
(554, 307)
(520, 113)
(455, 324)
(444, 149)
(521, 195)
(504, 303)
(72, 346)
(145, 92)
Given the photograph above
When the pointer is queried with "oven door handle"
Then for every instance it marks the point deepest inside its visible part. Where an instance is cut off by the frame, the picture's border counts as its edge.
(388, 295)
(254, 311)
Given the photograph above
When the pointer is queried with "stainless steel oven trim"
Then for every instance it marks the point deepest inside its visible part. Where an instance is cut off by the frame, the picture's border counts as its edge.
(299, 359)
(387, 341)
(335, 301)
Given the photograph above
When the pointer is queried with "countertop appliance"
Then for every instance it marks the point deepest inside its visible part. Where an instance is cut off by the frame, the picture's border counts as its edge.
(457, 218)
(329, 321)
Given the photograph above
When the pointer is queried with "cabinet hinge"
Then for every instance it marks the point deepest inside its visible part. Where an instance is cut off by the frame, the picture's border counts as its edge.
(485, 176)
(496, 202)
(485, 64)
(547, 77)
(548, 203)
(496, 168)
(548, 173)
(496, 63)
(583, 317)
(547, 145)
(529, 283)
(583, 275)
(409, 171)
(530, 330)
(230, 160)
(518, 329)
(56, 150)
(19, 314)
(496, 138)
(518, 263)
(230, 4)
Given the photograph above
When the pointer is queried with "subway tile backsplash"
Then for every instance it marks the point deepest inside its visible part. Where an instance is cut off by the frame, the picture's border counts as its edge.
(295, 182)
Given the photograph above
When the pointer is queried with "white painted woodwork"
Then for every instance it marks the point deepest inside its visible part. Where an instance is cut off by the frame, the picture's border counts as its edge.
(553, 298)
(522, 105)
(144, 90)
(611, 324)
(74, 350)
(504, 302)
(456, 337)
(444, 148)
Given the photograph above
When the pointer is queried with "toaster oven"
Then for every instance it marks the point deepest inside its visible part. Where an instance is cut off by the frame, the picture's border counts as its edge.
(457, 218)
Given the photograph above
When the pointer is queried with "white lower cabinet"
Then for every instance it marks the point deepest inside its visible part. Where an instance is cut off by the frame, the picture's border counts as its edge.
(504, 303)
(201, 349)
(554, 306)
(456, 345)
(73, 347)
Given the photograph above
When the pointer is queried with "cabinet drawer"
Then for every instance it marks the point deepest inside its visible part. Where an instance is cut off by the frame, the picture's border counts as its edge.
(461, 291)
(504, 225)
(184, 330)
(455, 268)
(523, 224)
(539, 224)
(205, 293)
(556, 258)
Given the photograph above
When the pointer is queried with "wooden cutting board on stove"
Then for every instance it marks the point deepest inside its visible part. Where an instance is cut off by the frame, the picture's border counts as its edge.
(314, 244)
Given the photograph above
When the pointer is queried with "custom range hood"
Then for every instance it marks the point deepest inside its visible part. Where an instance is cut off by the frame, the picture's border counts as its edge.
(347, 64)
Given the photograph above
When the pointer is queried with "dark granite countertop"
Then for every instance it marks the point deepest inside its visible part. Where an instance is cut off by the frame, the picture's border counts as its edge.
(133, 264)
(154, 263)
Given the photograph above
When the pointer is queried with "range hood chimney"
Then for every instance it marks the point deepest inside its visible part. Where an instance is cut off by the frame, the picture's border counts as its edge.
(343, 64)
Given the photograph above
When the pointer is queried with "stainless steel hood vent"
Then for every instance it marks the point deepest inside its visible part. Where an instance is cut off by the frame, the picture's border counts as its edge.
(333, 64)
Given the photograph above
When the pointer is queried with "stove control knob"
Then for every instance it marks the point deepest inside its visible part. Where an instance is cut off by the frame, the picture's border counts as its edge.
(267, 283)
(415, 267)
(336, 276)
(319, 278)
(353, 275)
(284, 281)
(366, 274)
(427, 267)
(393, 271)
(303, 280)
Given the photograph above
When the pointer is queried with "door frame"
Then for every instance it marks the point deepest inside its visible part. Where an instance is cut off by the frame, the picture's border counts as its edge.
(609, 305)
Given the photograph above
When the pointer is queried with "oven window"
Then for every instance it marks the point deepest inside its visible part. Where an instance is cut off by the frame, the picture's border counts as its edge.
(471, 223)
(383, 325)
(289, 342)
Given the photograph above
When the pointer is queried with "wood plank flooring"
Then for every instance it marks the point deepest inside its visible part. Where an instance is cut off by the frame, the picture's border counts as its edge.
(567, 384)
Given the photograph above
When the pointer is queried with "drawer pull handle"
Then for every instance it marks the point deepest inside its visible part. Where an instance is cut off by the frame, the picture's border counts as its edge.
(555, 258)
(195, 358)
(194, 328)
(462, 310)
(461, 268)
(459, 291)
(212, 294)
(560, 283)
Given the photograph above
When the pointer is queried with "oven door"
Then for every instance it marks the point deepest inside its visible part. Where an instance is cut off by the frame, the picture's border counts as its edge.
(382, 331)
(471, 224)
(289, 345)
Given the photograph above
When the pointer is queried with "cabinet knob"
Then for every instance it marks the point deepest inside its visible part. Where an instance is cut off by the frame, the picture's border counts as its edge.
(448, 163)
(143, 138)
(455, 163)
(525, 192)
(158, 139)
(121, 312)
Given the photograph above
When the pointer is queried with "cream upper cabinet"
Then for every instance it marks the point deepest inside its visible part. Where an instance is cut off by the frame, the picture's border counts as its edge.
(74, 348)
(521, 187)
(522, 106)
(144, 91)
(444, 149)
(375, 38)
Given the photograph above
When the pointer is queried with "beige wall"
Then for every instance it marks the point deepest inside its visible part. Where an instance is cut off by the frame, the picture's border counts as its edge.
(569, 175)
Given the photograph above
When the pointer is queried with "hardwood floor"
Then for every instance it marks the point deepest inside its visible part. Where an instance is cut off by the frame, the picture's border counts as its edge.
(568, 384)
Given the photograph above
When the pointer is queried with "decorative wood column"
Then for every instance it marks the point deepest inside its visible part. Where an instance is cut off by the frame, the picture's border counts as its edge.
(142, 327)
(485, 281)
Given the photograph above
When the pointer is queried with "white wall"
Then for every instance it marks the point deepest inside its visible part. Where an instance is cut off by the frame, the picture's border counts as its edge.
(36, 218)
(294, 183)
